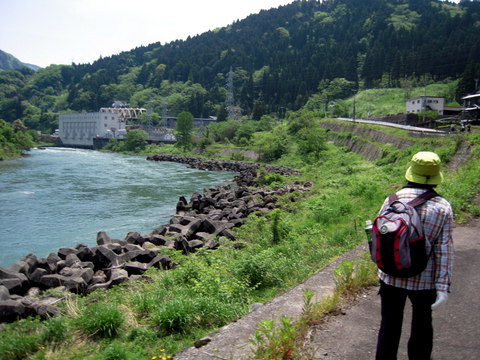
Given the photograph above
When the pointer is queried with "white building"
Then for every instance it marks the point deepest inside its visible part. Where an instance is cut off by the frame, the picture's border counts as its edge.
(426, 103)
(79, 129)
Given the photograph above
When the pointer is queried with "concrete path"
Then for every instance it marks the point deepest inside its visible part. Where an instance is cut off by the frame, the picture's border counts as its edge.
(352, 336)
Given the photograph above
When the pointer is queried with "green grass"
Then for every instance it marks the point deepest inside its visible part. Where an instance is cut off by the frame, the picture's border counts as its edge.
(209, 289)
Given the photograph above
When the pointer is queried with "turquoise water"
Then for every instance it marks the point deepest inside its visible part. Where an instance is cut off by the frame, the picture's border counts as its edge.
(59, 197)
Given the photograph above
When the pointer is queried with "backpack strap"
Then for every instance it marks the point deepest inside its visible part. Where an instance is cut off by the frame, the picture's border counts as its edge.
(423, 197)
(392, 198)
(419, 200)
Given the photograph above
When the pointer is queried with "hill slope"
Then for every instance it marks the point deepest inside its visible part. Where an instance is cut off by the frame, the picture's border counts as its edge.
(10, 62)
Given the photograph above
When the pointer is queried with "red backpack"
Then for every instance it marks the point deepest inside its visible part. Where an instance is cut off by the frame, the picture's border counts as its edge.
(398, 240)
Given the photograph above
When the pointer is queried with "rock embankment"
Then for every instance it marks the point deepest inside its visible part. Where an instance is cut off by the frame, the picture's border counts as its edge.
(198, 223)
(247, 170)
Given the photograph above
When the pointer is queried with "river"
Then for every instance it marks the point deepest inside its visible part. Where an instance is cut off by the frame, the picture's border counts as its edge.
(59, 197)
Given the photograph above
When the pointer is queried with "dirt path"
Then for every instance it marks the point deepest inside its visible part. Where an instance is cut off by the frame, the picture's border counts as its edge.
(460, 157)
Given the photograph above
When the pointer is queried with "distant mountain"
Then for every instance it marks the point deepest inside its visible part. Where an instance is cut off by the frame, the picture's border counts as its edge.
(10, 62)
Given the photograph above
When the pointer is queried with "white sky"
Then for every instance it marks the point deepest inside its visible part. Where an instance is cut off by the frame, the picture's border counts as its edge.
(44, 32)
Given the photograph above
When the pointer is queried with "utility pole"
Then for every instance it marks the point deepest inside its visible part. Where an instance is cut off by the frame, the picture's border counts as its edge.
(354, 108)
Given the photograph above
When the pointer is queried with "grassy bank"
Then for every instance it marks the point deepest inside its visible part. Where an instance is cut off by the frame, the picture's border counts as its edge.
(209, 289)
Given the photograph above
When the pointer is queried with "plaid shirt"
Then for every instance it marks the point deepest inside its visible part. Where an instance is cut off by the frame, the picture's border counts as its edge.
(437, 218)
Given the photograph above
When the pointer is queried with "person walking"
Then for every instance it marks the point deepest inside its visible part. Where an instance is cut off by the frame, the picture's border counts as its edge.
(430, 288)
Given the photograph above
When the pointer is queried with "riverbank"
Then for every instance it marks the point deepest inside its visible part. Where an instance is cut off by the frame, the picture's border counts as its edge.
(198, 223)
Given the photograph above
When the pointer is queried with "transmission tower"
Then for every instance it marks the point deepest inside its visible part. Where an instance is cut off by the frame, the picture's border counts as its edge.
(229, 100)
(164, 113)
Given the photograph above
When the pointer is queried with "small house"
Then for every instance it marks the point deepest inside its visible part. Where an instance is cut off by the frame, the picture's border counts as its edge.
(426, 103)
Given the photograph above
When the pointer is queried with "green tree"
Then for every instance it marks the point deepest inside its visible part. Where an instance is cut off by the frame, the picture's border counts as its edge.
(136, 140)
(271, 145)
(300, 120)
(184, 130)
(338, 88)
(311, 142)
(222, 113)
(245, 132)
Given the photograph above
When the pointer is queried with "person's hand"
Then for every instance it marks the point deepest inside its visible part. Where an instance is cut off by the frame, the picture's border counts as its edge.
(442, 297)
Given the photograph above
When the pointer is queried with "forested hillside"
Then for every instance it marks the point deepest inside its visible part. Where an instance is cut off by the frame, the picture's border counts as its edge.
(10, 62)
(279, 58)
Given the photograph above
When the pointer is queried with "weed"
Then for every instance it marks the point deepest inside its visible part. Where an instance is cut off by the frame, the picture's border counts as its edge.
(352, 276)
(102, 320)
(273, 342)
(258, 270)
(272, 179)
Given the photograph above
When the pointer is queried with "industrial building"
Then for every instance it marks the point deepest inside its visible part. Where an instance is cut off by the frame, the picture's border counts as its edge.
(80, 129)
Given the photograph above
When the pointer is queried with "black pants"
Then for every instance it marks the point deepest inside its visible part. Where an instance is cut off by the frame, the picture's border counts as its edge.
(421, 334)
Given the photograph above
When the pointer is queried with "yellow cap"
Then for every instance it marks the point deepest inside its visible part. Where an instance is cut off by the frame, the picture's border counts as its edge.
(425, 169)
